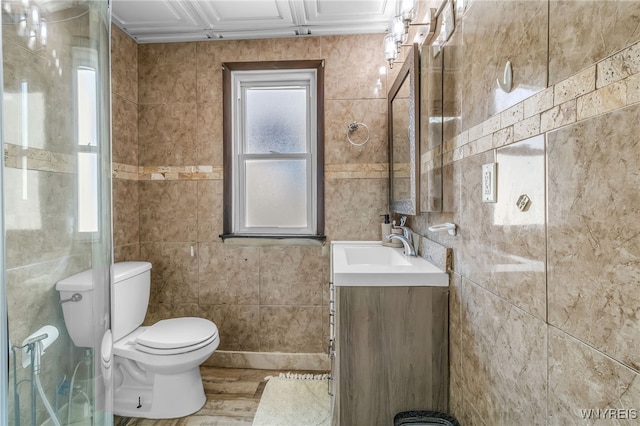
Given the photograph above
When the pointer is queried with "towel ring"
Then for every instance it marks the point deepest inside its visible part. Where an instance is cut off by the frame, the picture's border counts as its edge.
(352, 127)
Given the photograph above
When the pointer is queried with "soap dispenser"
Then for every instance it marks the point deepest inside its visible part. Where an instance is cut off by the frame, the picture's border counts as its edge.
(386, 229)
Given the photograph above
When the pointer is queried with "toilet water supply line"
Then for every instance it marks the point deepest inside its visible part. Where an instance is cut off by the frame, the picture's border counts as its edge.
(87, 361)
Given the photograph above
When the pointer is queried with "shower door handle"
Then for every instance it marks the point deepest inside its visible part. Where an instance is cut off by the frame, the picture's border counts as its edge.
(106, 363)
(106, 356)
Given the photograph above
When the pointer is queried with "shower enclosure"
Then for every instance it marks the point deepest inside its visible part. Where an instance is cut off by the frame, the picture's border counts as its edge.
(55, 186)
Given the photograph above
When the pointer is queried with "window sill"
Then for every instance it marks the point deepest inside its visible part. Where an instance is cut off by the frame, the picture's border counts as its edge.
(273, 240)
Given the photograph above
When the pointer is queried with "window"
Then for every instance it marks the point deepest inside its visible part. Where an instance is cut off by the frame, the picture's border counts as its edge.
(273, 149)
(86, 136)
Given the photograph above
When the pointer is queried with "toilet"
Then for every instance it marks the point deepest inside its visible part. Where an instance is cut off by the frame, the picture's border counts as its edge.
(156, 371)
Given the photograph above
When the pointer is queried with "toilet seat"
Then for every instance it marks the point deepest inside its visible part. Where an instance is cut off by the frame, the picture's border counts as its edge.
(177, 335)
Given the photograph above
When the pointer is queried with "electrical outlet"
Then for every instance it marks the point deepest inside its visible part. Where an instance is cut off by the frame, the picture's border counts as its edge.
(523, 202)
(489, 182)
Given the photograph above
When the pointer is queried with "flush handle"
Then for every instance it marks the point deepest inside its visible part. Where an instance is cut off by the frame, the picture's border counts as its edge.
(76, 297)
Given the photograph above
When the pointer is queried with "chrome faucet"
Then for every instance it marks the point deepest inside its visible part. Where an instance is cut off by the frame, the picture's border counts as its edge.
(406, 242)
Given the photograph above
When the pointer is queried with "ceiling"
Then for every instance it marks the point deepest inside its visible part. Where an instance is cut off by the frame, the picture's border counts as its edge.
(155, 21)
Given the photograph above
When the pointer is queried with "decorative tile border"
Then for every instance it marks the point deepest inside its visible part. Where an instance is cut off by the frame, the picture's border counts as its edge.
(124, 171)
(17, 157)
(611, 84)
(332, 171)
(357, 171)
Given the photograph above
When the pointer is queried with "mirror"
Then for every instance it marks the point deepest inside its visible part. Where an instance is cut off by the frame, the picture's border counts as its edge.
(431, 128)
(403, 110)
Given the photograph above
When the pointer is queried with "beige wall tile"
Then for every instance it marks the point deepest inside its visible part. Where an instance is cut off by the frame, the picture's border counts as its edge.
(584, 382)
(539, 102)
(292, 275)
(167, 134)
(559, 116)
(126, 253)
(175, 309)
(124, 65)
(210, 210)
(351, 71)
(593, 230)
(504, 359)
(503, 137)
(619, 66)
(209, 134)
(291, 329)
(209, 75)
(571, 88)
(481, 145)
(633, 89)
(512, 115)
(124, 130)
(168, 211)
(526, 128)
(34, 234)
(126, 209)
(229, 275)
(603, 100)
(338, 115)
(238, 326)
(456, 375)
(284, 49)
(491, 125)
(167, 73)
(523, 41)
(174, 272)
(475, 132)
(582, 33)
(353, 206)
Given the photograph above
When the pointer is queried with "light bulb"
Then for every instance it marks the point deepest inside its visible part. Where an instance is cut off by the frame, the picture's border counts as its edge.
(43, 33)
(397, 29)
(407, 8)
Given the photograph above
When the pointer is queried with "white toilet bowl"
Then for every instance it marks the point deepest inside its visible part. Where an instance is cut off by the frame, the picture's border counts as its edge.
(156, 369)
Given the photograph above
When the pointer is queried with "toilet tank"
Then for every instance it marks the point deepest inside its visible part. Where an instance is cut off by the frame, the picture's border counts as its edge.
(76, 296)
(131, 288)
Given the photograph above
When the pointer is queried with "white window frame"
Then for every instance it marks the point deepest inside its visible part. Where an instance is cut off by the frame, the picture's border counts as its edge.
(88, 175)
(241, 81)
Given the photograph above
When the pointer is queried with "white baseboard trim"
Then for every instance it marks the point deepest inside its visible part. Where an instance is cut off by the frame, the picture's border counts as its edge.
(270, 360)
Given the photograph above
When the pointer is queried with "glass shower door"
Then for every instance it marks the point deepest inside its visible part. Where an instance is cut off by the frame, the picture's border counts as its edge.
(57, 214)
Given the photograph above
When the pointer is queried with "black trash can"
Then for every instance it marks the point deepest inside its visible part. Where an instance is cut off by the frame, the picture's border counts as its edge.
(424, 418)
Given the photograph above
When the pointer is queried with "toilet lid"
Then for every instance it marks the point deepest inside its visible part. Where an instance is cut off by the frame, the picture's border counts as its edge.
(178, 333)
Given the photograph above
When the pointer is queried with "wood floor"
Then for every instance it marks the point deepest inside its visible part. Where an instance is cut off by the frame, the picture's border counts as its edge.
(232, 399)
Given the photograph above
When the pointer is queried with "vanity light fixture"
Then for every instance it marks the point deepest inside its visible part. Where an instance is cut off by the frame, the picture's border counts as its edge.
(30, 23)
(390, 49)
(399, 29)
(407, 11)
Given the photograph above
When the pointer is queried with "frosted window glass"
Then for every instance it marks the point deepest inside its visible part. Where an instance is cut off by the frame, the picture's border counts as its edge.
(87, 192)
(276, 193)
(87, 102)
(276, 120)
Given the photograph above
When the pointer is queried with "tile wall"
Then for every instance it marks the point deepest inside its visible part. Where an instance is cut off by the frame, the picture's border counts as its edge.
(543, 306)
(167, 148)
(543, 302)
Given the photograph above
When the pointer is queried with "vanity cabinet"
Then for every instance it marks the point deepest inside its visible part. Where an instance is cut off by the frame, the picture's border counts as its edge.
(389, 352)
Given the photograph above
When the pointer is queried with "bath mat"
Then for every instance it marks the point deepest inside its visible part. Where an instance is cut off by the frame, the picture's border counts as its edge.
(294, 400)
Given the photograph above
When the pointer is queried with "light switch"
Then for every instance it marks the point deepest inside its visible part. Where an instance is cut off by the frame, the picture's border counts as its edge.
(489, 182)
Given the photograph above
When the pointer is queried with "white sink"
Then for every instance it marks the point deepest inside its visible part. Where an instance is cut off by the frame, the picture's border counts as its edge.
(369, 263)
(374, 255)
